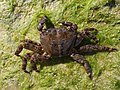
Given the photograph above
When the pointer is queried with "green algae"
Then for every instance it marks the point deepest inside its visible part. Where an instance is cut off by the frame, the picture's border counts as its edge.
(18, 20)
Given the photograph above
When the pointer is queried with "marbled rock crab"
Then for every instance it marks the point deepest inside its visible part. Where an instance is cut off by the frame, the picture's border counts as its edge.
(59, 42)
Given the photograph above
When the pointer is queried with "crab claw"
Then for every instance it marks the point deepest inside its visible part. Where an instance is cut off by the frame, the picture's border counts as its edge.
(65, 23)
(40, 24)
(69, 24)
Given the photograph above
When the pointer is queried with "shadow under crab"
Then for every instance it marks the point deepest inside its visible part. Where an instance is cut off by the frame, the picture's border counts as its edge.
(60, 42)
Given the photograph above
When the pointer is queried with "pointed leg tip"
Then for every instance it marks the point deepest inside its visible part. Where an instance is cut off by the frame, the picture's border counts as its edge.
(26, 71)
(90, 76)
(17, 54)
(37, 71)
(113, 49)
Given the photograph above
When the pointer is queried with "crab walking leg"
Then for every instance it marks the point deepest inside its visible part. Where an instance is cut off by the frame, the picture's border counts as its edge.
(80, 59)
(86, 33)
(30, 41)
(37, 58)
(19, 49)
(33, 61)
(92, 48)
(24, 64)
(33, 65)
(29, 45)
(24, 61)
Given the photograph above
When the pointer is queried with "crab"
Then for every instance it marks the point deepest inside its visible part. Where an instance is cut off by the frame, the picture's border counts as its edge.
(60, 42)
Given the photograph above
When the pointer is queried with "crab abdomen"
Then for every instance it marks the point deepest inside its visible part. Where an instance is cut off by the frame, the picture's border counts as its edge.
(57, 41)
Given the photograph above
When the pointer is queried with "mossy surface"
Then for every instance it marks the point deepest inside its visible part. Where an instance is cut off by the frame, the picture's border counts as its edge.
(18, 21)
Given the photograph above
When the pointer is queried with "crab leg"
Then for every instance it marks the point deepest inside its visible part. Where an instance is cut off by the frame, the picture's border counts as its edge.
(80, 59)
(33, 61)
(30, 41)
(36, 58)
(86, 33)
(24, 61)
(71, 25)
(92, 48)
(30, 45)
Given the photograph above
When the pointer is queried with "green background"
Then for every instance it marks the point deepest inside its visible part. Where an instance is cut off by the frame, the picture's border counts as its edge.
(18, 21)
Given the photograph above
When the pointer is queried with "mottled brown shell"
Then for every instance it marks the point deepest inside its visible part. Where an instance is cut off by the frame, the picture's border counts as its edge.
(57, 41)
